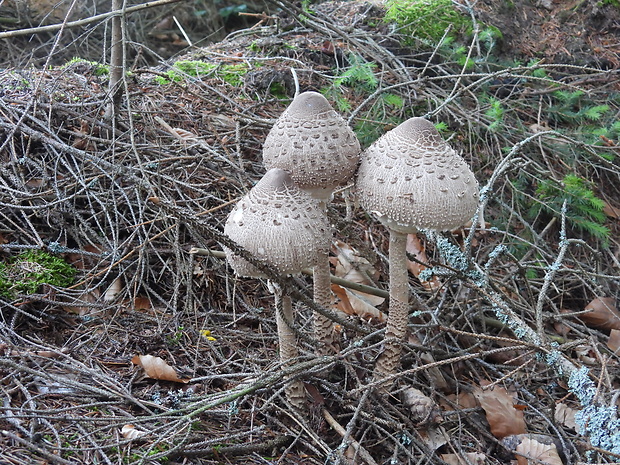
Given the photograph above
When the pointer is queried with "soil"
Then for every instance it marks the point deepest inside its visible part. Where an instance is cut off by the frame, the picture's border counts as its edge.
(580, 32)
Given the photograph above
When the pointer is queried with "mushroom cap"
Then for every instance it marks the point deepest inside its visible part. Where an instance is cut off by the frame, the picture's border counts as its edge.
(313, 143)
(411, 179)
(280, 224)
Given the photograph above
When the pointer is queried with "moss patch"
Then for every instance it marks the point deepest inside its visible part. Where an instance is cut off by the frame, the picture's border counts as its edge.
(230, 73)
(426, 19)
(25, 273)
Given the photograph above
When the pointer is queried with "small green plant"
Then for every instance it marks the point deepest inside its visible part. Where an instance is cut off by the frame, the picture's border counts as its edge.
(27, 272)
(426, 19)
(584, 210)
(176, 337)
(360, 74)
(495, 113)
(230, 73)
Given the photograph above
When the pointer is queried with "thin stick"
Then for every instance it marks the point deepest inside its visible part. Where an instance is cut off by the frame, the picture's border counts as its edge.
(363, 453)
(83, 22)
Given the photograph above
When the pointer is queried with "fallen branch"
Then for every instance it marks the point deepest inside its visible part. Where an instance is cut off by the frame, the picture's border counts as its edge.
(83, 22)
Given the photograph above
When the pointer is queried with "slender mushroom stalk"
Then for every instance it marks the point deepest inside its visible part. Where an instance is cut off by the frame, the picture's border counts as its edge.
(316, 146)
(294, 390)
(286, 228)
(410, 179)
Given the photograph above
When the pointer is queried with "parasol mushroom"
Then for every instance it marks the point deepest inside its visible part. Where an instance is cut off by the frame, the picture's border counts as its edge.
(411, 179)
(314, 143)
(287, 229)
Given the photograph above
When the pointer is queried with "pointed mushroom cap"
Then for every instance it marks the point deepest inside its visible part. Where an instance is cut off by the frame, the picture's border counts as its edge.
(313, 143)
(411, 179)
(278, 223)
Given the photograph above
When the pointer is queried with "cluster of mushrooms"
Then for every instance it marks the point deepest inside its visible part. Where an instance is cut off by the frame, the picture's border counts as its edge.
(409, 179)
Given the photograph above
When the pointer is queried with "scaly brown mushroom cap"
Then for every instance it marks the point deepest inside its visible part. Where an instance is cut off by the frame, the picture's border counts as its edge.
(280, 224)
(313, 143)
(411, 179)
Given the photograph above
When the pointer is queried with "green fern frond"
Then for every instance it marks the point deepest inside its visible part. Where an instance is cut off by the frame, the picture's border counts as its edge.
(361, 72)
(595, 113)
(584, 209)
(393, 100)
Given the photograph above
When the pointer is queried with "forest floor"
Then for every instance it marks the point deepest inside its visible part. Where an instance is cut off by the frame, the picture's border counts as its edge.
(147, 348)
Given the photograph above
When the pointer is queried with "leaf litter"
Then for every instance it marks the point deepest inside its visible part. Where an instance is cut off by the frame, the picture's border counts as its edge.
(108, 211)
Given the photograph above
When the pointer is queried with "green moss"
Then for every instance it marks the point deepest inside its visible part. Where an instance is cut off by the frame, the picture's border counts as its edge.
(232, 74)
(27, 272)
(99, 69)
(426, 19)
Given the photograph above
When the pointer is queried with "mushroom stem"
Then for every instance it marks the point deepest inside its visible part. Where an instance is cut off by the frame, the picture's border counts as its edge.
(323, 326)
(396, 329)
(294, 389)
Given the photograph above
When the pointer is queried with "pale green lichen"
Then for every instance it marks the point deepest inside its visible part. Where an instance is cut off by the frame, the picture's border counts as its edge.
(599, 422)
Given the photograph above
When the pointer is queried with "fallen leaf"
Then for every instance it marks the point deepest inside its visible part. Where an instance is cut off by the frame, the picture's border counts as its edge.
(462, 400)
(533, 449)
(611, 211)
(499, 407)
(73, 306)
(614, 340)
(434, 437)
(350, 265)
(142, 303)
(417, 250)
(130, 432)
(565, 415)
(468, 458)
(157, 368)
(601, 313)
(113, 290)
(354, 303)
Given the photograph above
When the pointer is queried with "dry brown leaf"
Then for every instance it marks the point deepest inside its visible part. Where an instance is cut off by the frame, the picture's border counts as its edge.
(157, 368)
(499, 407)
(87, 298)
(130, 432)
(113, 290)
(350, 265)
(611, 211)
(462, 400)
(354, 303)
(614, 340)
(602, 314)
(565, 415)
(142, 303)
(434, 437)
(433, 371)
(416, 248)
(468, 458)
(531, 451)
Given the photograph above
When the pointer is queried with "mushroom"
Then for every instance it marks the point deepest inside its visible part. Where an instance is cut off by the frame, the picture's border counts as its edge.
(314, 143)
(411, 179)
(286, 228)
